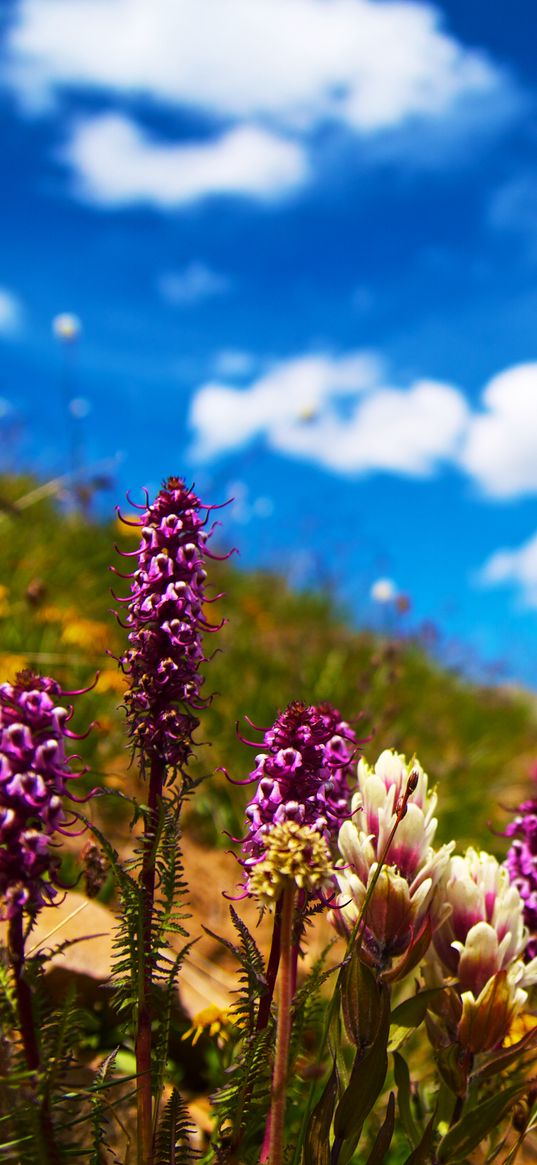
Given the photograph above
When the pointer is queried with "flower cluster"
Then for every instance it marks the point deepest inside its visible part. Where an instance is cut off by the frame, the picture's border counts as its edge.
(302, 777)
(33, 774)
(165, 621)
(295, 854)
(521, 864)
(392, 802)
(481, 942)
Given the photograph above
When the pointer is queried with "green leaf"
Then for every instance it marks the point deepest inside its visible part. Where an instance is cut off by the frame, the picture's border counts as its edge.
(359, 1001)
(423, 1154)
(366, 1078)
(454, 1066)
(173, 1145)
(478, 1123)
(498, 1061)
(317, 1144)
(402, 967)
(384, 1136)
(402, 1080)
(412, 1011)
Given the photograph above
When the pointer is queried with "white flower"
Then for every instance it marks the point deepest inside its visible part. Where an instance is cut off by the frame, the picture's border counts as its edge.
(481, 942)
(400, 907)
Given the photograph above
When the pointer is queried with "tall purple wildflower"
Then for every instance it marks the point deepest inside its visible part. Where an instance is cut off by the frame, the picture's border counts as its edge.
(303, 777)
(521, 864)
(34, 771)
(165, 621)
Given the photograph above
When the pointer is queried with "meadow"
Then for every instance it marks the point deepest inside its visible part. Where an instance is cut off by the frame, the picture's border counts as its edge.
(276, 649)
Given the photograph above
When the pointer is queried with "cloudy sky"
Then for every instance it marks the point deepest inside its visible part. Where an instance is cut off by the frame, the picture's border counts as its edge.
(301, 238)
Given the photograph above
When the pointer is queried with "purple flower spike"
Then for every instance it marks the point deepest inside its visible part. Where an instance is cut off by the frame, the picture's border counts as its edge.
(34, 771)
(303, 777)
(165, 621)
(521, 864)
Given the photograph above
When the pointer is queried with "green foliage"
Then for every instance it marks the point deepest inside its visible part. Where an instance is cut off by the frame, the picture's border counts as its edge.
(173, 1144)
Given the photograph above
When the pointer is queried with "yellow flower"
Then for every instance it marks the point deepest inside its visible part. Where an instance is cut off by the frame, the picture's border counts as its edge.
(211, 1021)
(10, 665)
(87, 634)
(521, 1025)
(112, 681)
(4, 603)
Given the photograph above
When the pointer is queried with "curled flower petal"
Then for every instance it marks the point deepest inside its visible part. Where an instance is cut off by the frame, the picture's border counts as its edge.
(166, 624)
(34, 771)
(303, 778)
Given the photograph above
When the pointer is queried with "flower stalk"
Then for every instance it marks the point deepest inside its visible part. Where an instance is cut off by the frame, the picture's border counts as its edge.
(144, 1041)
(165, 621)
(17, 955)
(276, 1119)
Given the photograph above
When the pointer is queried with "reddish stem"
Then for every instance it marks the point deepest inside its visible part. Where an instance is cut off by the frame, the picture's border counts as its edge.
(272, 970)
(27, 1028)
(144, 1041)
(276, 1118)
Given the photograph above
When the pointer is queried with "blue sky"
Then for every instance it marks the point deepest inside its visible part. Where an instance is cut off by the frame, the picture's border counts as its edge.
(301, 238)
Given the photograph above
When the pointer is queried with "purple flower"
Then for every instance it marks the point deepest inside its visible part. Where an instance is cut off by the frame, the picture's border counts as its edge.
(165, 621)
(521, 864)
(34, 771)
(303, 777)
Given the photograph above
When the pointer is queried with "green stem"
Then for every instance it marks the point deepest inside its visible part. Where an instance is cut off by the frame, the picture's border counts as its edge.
(144, 1037)
(283, 1031)
(355, 937)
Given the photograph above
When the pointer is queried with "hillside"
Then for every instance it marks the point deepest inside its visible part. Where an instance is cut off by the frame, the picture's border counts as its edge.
(478, 743)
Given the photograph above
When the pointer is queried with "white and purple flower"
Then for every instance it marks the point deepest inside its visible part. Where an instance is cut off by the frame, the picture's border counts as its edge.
(482, 943)
(34, 771)
(303, 778)
(165, 620)
(392, 822)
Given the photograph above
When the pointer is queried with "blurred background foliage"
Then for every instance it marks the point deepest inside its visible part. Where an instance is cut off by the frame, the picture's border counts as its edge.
(477, 742)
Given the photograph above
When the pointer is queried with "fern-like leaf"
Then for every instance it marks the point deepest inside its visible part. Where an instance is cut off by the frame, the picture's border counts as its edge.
(173, 1143)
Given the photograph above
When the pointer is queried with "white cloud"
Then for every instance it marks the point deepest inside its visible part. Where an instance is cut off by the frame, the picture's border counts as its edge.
(336, 412)
(193, 284)
(292, 63)
(500, 453)
(340, 412)
(11, 313)
(115, 164)
(516, 568)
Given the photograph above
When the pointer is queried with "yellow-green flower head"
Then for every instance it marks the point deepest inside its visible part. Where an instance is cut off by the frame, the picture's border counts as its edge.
(400, 907)
(295, 854)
